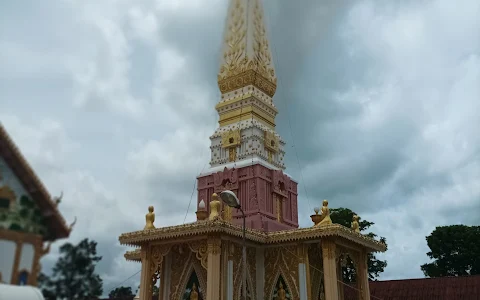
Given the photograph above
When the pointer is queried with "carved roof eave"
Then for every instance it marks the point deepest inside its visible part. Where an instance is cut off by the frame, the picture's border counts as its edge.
(138, 238)
(24, 172)
(133, 255)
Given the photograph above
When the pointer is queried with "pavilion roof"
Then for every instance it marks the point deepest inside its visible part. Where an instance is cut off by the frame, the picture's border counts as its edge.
(192, 230)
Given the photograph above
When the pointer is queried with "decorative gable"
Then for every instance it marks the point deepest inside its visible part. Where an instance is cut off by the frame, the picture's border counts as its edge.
(18, 211)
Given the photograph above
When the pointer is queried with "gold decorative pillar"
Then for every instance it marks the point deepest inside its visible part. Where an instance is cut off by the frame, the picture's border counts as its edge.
(145, 275)
(213, 269)
(329, 270)
(362, 276)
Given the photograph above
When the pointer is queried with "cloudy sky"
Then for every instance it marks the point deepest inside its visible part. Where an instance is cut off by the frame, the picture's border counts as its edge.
(112, 102)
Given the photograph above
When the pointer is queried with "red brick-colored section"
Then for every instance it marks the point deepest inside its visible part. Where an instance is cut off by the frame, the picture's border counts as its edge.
(443, 288)
(258, 188)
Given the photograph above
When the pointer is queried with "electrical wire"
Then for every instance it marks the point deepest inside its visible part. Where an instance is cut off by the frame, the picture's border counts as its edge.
(120, 284)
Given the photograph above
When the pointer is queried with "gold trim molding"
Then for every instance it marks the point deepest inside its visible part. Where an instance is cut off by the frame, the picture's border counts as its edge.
(249, 77)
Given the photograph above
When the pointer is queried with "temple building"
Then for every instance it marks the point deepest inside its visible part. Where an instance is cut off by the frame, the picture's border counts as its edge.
(29, 218)
(203, 259)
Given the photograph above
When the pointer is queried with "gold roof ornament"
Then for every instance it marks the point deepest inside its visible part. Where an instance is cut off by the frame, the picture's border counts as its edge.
(247, 58)
(149, 219)
(325, 219)
(355, 225)
(214, 208)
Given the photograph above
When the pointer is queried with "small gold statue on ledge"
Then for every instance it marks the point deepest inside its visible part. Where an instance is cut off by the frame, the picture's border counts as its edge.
(149, 219)
(194, 293)
(214, 208)
(325, 215)
(355, 225)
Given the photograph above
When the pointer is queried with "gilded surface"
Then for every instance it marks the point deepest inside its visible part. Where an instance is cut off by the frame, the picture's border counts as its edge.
(200, 248)
(183, 265)
(261, 48)
(231, 138)
(229, 229)
(247, 58)
(237, 269)
(214, 246)
(156, 259)
(328, 249)
(271, 141)
(281, 261)
(235, 59)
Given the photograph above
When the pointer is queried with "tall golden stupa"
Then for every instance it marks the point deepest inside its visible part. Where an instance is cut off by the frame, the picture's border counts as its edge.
(204, 259)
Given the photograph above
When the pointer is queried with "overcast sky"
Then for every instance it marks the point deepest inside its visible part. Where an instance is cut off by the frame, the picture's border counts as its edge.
(112, 102)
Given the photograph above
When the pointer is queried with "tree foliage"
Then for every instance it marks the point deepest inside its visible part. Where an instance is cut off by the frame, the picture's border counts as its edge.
(344, 216)
(455, 250)
(74, 275)
(122, 292)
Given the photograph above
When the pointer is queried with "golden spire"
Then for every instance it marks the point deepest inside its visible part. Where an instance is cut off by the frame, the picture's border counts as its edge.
(246, 59)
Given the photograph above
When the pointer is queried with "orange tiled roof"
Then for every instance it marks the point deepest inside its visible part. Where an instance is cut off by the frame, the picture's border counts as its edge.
(17, 163)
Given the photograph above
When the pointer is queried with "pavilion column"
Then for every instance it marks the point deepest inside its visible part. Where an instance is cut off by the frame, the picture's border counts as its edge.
(329, 270)
(145, 275)
(260, 272)
(213, 269)
(303, 272)
(362, 276)
(229, 273)
(164, 291)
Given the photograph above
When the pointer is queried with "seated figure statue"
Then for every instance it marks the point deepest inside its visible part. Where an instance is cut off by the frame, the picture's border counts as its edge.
(325, 215)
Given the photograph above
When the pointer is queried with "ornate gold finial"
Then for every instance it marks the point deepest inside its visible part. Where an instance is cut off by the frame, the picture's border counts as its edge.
(201, 213)
(325, 215)
(355, 225)
(316, 218)
(214, 208)
(247, 58)
(149, 219)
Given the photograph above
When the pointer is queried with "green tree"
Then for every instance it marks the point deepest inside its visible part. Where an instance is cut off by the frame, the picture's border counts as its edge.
(74, 275)
(344, 216)
(455, 250)
(121, 293)
(155, 290)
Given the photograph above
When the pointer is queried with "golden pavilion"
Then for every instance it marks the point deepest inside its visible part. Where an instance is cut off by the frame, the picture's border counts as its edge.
(204, 259)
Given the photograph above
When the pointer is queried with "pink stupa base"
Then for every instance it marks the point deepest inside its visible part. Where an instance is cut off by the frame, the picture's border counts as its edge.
(257, 187)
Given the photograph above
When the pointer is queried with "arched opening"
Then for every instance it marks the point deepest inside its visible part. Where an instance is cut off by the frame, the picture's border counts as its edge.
(347, 277)
(193, 290)
(231, 140)
(281, 290)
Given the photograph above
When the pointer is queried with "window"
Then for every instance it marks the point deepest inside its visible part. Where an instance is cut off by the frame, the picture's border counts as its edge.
(4, 203)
